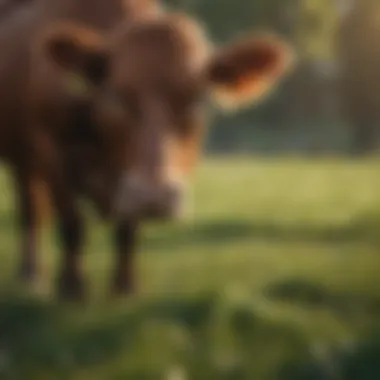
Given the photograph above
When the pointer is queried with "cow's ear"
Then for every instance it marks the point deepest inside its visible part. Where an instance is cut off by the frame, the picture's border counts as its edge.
(246, 70)
(79, 52)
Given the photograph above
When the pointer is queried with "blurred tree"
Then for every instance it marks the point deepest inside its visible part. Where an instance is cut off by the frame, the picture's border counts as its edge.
(359, 57)
(316, 24)
(307, 99)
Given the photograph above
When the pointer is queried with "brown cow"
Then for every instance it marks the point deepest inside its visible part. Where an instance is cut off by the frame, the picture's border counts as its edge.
(118, 118)
(149, 113)
(35, 105)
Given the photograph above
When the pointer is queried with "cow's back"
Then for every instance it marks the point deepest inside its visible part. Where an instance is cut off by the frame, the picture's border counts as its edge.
(7, 7)
(101, 14)
(96, 13)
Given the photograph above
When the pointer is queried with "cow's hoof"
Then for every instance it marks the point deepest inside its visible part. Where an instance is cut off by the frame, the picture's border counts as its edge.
(71, 288)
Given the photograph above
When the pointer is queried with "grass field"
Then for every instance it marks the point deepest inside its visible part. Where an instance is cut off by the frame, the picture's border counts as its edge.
(274, 276)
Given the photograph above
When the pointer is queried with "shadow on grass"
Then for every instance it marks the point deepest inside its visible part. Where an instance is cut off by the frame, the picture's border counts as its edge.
(38, 338)
(310, 294)
(41, 340)
(357, 362)
(360, 230)
(44, 340)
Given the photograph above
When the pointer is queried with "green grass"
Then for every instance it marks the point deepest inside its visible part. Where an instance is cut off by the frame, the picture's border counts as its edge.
(274, 276)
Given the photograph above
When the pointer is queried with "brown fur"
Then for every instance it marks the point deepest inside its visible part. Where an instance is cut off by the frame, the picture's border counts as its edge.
(7, 7)
(115, 114)
(172, 53)
(38, 138)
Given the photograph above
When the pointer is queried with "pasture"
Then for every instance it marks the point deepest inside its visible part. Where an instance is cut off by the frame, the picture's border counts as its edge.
(274, 276)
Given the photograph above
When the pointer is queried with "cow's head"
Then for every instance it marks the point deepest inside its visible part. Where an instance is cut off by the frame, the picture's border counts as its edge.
(149, 109)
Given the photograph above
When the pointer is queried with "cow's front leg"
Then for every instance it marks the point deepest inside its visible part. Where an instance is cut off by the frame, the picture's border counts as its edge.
(71, 234)
(29, 193)
(71, 278)
(123, 281)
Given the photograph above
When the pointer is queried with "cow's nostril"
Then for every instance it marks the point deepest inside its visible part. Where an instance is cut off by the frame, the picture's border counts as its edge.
(145, 200)
(163, 202)
(172, 199)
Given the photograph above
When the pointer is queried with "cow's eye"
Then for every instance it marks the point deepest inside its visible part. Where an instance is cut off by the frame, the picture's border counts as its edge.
(114, 98)
(183, 98)
(82, 125)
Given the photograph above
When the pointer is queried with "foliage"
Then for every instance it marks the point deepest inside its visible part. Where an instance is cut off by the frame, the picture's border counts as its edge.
(303, 114)
(275, 278)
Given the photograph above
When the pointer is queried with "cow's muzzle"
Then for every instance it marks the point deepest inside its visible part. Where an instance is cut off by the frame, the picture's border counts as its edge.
(144, 199)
